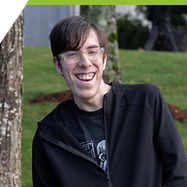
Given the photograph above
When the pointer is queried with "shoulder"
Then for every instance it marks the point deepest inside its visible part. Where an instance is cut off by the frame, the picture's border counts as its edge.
(141, 89)
(50, 125)
(135, 94)
(134, 89)
(56, 113)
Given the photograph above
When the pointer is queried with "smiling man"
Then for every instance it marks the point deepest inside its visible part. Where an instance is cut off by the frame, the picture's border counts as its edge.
(83, 70)
(108, 135)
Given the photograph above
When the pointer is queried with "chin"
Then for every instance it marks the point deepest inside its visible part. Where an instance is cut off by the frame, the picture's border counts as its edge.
(85, 94)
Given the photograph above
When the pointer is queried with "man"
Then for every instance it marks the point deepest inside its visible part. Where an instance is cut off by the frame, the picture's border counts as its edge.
(108, 135)
(160, 17)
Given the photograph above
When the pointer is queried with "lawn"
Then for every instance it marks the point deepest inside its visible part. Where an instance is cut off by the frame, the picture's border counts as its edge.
(165, 69)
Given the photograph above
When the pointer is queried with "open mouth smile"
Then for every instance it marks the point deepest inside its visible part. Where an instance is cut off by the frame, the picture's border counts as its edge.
(85, 77)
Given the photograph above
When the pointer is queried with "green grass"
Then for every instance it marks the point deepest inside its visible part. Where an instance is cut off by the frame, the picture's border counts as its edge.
(165, 69)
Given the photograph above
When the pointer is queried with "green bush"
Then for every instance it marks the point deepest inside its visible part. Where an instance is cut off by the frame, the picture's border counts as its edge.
(178, 15)
(131, 33)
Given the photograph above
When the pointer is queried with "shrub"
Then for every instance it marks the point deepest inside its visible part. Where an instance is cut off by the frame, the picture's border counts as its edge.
(131, 33)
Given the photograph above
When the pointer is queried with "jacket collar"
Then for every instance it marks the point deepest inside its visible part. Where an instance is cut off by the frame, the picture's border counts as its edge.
(52, 126)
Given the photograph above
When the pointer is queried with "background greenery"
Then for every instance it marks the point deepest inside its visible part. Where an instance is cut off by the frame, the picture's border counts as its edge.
(165, 69)
(132, 34)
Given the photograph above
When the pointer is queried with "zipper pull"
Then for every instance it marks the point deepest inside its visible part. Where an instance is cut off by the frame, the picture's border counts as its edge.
(109, 184)
(107, 176)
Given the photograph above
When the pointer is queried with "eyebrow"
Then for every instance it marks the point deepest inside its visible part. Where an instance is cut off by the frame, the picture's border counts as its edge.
(92, 46)
(89, 47)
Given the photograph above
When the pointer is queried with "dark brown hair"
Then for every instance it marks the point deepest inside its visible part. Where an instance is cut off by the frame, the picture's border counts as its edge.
(71, 33)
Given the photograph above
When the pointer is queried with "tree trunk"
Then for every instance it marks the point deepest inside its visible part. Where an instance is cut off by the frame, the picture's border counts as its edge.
(11, 76)
(105, 17)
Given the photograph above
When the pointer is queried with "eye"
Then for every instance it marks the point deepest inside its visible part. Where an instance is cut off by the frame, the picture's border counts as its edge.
(72, 54)
(92, 52)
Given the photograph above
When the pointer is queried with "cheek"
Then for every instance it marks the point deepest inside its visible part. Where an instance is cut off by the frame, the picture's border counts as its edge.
(66, 69)
(67, 75)
(67, 72)
(102, 65)
(68, 80)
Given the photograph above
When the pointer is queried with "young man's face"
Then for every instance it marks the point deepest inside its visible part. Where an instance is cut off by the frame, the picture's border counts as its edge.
(84, 77)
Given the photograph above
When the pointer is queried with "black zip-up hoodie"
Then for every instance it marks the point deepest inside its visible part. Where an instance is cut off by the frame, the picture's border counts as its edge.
(144, 148)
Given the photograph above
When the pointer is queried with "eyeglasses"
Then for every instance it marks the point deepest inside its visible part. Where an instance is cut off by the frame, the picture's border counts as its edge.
(71, 57)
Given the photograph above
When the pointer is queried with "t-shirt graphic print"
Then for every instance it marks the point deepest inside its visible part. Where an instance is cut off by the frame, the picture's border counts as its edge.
(99, 155)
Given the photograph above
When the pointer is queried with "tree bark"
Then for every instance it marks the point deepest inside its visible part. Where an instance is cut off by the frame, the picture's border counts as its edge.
(11, 77)
(105, 17)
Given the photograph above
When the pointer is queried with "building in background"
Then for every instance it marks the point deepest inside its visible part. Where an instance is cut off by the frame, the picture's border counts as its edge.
(40, 19)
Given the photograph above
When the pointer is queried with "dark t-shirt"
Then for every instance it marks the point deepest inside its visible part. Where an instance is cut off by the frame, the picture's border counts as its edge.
(88, 129)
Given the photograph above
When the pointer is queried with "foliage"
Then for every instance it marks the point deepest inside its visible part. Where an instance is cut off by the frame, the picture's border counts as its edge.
(131, 33)
(176, 14)
(113, 36)
(84, 10)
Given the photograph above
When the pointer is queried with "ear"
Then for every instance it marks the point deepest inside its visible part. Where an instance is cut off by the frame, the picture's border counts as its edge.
(104, 61)
(58, 66)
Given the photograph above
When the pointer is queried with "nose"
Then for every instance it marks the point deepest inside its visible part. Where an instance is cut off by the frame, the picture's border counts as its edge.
(84, 61)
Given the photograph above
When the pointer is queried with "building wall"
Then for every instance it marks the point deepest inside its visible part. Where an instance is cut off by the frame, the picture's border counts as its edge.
(40, 19)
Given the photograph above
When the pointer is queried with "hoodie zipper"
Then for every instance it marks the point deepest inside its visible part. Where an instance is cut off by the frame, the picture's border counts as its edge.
(106, 138)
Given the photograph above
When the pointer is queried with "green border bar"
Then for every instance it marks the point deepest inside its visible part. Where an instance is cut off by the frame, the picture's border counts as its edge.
(107, 2)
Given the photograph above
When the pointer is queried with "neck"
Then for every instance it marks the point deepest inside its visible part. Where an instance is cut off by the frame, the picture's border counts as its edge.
(94, 103)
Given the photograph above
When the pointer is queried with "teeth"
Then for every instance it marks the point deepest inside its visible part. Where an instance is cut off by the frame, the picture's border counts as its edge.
(85, 77)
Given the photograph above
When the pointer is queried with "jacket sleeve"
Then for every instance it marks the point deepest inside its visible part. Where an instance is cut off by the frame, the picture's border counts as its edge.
(169, 144)
(42, 173)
